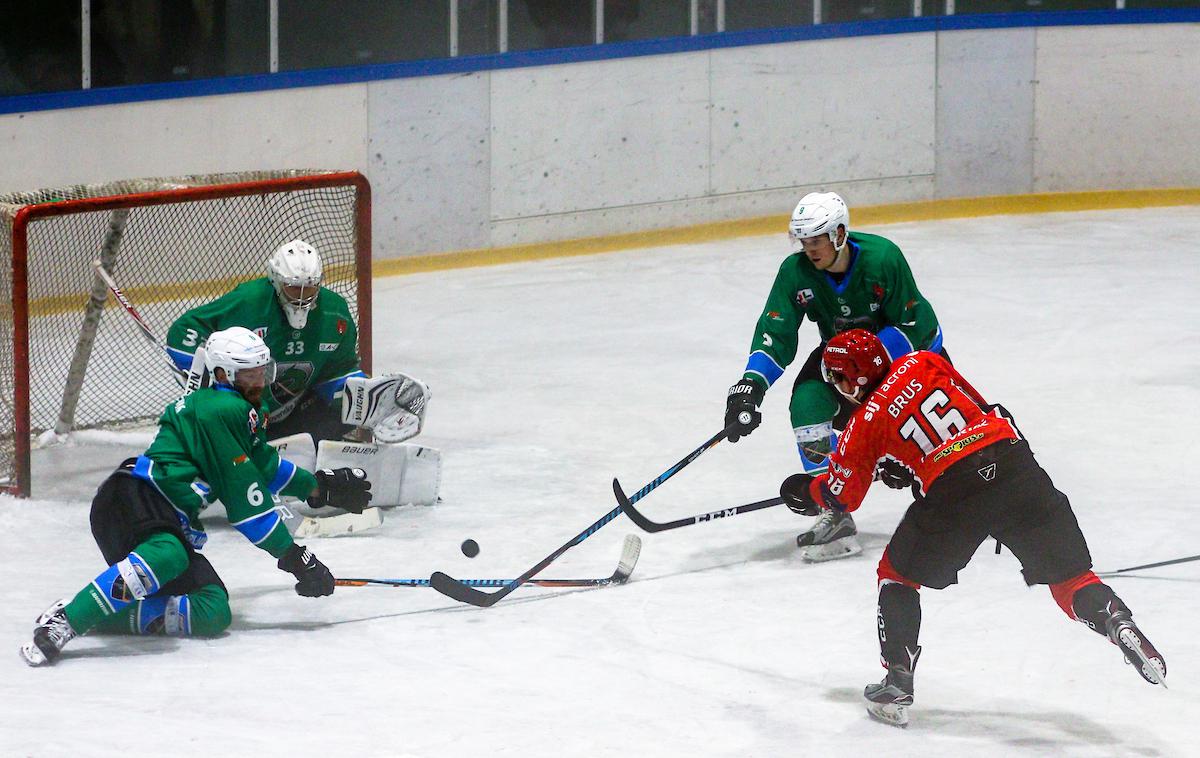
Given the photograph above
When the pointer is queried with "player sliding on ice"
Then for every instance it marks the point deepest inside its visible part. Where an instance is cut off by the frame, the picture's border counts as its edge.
(976, 478)
(841, 280)
(146, 516)
(321, 392)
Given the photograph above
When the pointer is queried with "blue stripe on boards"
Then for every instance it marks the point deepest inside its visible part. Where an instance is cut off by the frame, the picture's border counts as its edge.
(607, 51)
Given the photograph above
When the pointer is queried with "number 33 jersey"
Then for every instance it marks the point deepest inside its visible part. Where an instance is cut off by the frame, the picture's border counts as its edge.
(923, 415)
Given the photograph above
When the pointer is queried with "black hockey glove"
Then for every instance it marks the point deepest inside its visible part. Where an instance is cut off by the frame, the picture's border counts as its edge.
(797, 496)
(894, 475)
(843, 324)
(346, 488)
(315, 579)
(741, 409)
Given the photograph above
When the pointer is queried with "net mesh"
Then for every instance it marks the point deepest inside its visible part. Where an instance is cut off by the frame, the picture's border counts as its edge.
(171, 257)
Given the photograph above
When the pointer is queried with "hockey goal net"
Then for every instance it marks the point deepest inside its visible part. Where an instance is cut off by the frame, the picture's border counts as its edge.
(172, 243)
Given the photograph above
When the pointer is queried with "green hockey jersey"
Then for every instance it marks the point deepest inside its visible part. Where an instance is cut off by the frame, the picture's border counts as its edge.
(211, 446)
(877, 292)
(318, 357)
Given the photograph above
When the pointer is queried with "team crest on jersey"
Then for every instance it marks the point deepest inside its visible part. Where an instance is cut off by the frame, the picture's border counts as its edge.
(804, 296)
(252, 421)
(261, 332)
(341, 326)
(878, 290)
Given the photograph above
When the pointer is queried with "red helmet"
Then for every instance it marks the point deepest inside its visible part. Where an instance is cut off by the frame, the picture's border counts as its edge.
(855, 362)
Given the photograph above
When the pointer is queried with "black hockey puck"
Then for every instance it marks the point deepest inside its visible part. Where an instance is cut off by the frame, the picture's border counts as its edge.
(470, 548)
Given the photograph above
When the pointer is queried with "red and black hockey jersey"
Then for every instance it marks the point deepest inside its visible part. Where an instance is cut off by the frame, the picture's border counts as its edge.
(923, 415)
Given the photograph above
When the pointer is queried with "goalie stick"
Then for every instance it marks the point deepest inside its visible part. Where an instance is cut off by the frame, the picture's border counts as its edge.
(629, 556)
(189, 381)
(455, 590)
(646, 524)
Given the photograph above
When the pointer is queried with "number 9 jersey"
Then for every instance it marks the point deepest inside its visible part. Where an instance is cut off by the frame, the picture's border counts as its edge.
(923, 415)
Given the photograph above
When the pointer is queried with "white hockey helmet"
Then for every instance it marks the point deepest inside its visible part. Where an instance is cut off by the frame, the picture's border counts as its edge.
(296, 265)
(819, 213)
(235, 349)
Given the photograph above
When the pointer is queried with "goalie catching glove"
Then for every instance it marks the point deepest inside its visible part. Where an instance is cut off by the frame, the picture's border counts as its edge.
(314, 578)
(392, 406)
(346, 488)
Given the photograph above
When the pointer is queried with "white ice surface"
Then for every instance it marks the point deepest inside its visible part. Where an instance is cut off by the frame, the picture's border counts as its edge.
(548, 379)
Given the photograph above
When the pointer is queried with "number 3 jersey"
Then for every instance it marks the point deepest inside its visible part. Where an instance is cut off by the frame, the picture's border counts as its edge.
(923, 415)
(318, 357)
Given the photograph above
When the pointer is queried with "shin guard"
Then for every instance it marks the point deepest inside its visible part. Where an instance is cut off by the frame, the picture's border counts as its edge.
(898, 625)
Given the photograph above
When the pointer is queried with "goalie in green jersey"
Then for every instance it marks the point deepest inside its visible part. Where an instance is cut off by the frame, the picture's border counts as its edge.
(320, 395)
(313, 337)
(840, 280)
(146, 516)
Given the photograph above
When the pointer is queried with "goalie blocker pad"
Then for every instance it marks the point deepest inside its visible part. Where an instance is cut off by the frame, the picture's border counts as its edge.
(400, 474)
(392, 405)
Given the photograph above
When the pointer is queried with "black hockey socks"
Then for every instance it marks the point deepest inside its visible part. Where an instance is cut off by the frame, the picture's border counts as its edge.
(899, 622)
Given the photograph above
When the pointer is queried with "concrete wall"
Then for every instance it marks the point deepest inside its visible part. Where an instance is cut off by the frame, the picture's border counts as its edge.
(554, 152)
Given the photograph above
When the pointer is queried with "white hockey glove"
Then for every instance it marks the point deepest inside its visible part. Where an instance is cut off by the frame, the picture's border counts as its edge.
(392, 406)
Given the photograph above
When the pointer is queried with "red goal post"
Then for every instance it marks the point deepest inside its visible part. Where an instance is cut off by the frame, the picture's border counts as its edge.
(172, 243)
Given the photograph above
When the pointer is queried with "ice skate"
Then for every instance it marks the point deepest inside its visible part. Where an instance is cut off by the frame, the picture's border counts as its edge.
(830, 537)
(888, 701)
(1137, 649)
(51, 634)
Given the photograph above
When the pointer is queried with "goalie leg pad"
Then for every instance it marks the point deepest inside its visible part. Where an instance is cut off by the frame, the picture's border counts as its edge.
(400, 474)
(297, 448)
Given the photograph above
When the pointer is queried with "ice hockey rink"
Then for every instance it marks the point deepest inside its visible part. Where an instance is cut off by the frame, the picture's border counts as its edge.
(549, 378)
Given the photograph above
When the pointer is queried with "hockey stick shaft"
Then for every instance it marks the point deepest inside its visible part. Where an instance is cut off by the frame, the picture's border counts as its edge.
(630, 550)
(132, 312)
(1153, 565)
(358, 582)
(655, 526)
(452, 588)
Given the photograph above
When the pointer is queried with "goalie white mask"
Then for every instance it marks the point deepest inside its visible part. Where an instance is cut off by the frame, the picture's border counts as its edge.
(238, 349)
(819, 213)
(295, 273)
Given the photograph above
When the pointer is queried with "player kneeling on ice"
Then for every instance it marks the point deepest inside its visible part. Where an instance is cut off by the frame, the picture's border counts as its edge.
(310, 331)
(975, 477)
(146, 515)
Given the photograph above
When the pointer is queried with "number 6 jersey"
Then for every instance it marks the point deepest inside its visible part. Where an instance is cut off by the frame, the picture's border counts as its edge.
(923, 415)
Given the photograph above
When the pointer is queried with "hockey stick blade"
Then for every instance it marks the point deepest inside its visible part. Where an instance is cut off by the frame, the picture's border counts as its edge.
(646, 524)
(629, 557)
(451, 588)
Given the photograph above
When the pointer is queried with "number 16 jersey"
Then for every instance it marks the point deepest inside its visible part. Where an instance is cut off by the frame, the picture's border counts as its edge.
(923, 415)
